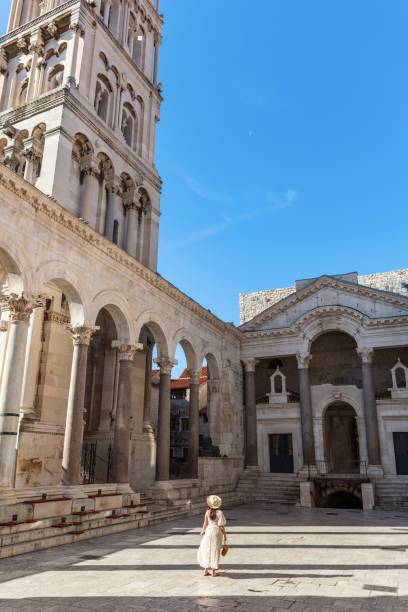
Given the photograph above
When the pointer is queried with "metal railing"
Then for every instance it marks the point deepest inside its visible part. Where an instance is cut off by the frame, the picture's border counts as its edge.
(89, 459)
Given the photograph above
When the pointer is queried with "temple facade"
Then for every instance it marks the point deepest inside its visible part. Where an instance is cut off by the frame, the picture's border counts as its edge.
(327, 381)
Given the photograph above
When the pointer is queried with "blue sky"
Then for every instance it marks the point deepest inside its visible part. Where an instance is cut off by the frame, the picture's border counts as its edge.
(282, 143)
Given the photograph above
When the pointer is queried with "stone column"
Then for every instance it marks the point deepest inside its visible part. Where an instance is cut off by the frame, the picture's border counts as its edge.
(157, 42)
(121, 439)
(306, 411)
(370, 407)
(148, 388)
(74, 428)
(3, 76)
(132, 230)
(72, 52)
(163, 425)
(251, 452)
(32, 359)
(90, 202)
(193, 432)
(20, 309)
(37, 50)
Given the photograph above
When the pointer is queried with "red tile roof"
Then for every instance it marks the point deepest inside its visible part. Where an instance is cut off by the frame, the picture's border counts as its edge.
(183, 382)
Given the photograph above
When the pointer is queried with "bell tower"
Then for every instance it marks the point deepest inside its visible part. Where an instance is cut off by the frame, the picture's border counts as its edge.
(79, 106)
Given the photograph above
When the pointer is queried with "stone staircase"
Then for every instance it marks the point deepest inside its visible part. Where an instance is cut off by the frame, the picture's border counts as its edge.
(55, 518)
(255, 486)
(391, 493)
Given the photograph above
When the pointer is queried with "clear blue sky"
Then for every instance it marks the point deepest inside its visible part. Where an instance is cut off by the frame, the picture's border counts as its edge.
(282, 143)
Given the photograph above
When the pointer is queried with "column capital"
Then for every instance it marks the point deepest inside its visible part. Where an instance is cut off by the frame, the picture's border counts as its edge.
(126, 352)
(250, 364)
(303, 360)
(366, 353)
(82, 334)
(195, 376)
(19, 307)
(165, 364)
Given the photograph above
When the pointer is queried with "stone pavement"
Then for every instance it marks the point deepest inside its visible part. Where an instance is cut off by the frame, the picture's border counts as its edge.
(280, 559)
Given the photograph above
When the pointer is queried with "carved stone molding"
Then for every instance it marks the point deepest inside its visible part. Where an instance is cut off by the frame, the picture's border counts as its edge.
(165, 364)
(53, 30)
(19, 306)
(250, 364)
(366, 354)
(3, 61)
(303, 360)
(57, 317)
(126, 352)
(82, 334)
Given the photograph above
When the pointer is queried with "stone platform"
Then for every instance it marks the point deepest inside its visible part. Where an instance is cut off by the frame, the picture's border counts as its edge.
(281, 558)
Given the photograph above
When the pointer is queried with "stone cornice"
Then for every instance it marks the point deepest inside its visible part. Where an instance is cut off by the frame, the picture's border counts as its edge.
(38, 21)
(324, 311)
(320, 283)
(54, 213)
(63, 96)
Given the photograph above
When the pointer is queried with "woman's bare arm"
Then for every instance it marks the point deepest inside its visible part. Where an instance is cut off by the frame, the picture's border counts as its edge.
(205, 524)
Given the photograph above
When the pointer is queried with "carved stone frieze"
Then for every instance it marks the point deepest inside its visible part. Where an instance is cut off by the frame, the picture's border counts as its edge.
(82, 334)
(165, 364)
(126, 352)
(19, 307)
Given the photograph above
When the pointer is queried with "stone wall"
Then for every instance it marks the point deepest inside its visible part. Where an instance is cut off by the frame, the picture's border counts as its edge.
(251, 304)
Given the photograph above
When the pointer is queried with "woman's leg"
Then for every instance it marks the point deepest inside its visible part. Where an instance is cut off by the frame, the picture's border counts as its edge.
(205, 573)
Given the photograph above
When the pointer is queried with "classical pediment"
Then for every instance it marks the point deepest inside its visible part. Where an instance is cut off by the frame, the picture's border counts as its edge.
(325, 297)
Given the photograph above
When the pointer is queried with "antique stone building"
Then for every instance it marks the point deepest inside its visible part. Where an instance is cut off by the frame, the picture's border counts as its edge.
(309, 397)
(327, 384)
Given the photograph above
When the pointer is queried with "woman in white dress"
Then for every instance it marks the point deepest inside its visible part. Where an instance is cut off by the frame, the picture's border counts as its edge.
(213, 536)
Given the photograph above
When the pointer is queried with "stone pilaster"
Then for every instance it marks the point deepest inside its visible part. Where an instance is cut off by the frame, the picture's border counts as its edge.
(19, 309)
(251, 448)
(74, 429)
(163, 426)
(306, 411)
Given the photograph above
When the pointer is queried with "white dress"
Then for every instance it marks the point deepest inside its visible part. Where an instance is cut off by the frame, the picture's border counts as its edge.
(208, 554)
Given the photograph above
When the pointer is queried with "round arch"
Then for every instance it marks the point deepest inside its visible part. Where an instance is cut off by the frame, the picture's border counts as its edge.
(188, 345)
(328, 319)
(14, 270)
(119, 311)
(78, 300)
(157, 328)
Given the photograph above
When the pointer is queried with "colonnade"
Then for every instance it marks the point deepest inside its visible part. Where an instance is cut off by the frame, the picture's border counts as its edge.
(306, 410)
(16, 370)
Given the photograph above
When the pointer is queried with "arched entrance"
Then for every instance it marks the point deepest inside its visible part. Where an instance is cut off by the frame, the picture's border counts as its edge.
(343, 500)
(341, 439)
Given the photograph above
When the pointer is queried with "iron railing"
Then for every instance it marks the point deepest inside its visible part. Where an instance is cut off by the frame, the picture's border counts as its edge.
(89, 458)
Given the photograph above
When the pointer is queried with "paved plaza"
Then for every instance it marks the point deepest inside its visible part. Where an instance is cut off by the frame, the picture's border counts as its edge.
(280, 559)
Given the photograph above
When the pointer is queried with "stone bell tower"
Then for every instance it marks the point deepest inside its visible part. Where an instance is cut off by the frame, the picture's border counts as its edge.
(79, 105)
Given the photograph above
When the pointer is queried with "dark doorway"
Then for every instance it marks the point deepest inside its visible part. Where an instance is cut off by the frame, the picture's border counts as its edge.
(344, 500)
(281, 453)
(341, 439)
(401, 451)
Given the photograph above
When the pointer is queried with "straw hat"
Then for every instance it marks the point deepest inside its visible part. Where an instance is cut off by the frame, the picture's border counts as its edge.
(214, 502)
